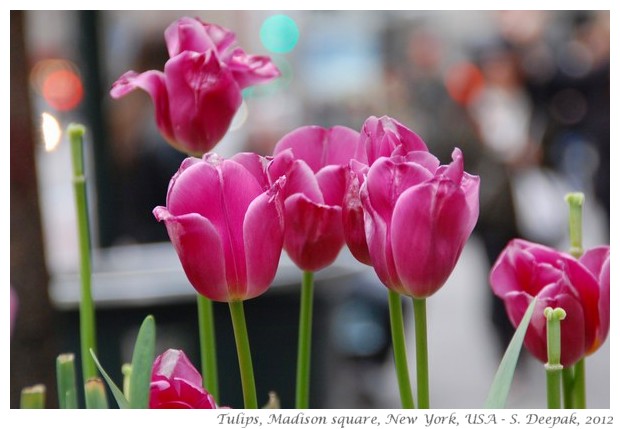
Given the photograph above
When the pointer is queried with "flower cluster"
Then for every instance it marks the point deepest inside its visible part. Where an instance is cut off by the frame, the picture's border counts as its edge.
(379, 191)
(229, 219)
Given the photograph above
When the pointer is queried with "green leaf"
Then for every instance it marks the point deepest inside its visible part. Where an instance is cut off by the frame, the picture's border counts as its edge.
(116, 392)
(498, 394)
(142, 364)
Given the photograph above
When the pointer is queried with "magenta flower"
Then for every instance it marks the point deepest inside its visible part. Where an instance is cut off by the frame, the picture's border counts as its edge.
(226, 224)
(526, 270)
(175, 383)
(418, 217)
(314, 160)
(199, 91)
(380, 137)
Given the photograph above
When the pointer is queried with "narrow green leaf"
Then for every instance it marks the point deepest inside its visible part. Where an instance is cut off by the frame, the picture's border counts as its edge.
(142, 364)
(65, 381)
(498, 394)
(116, 392)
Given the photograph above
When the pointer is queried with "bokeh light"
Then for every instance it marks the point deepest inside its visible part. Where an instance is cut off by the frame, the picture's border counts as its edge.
(463, 82)
(279, 34)
(51, 131)
(58, 82)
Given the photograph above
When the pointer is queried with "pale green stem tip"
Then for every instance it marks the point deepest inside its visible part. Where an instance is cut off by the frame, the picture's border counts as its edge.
(575, 198)
(33, 397)
(95, 394)
(126, 370)
(65, 376)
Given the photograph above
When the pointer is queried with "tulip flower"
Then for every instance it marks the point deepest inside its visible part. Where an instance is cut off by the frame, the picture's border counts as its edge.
(199, 91)
(225, 222)
(314, 160)
(418, 218)
(525, 270)
(226, 227)
(380, 137)
(175, 383)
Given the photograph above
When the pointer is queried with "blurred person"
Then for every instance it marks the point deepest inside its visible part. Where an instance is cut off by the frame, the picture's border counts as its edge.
(501, 111)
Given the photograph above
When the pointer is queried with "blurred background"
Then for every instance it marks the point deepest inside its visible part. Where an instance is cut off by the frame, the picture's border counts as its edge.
(524, 94)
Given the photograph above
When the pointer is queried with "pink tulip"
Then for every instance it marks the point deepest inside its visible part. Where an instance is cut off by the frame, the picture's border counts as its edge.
(199, 91)
(418, 217)
(175, 383)
(226, 225)
(380, 137)
(526, 270)
(314, 160)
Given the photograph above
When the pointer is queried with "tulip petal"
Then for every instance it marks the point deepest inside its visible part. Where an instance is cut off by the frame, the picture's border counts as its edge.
(320, 147)
(430, 225)
(382, 137)
(200, 251)
(603, 308)
(174, 363)
(353, 219)
(251, 70)
(332, 181)
(387, 179)
(187, 34)
(256, 165)
(206, 97)
(154, 83)
(263, 234)
(299, 176)
(377, 229)
(314, 235)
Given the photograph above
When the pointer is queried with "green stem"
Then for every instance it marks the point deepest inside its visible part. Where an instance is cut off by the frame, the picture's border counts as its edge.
(95, 394)
(554, 383)
(579, 388)
(421, 352)
(567, 387)
(553, 366)
(302, 393)
(33, 397)
(400, 350)
(575, 209)
(208, 350)
(244, 355)
(65, 380)
(87, 308)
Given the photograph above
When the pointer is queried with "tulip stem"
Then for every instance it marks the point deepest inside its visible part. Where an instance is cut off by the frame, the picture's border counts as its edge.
(87, 308)
(302, 394)
(553, 367)
(421, 352)
(243, 354)
(579, 386)
(208, 350)
(567, 387)
(400, 349)
(575, 210)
